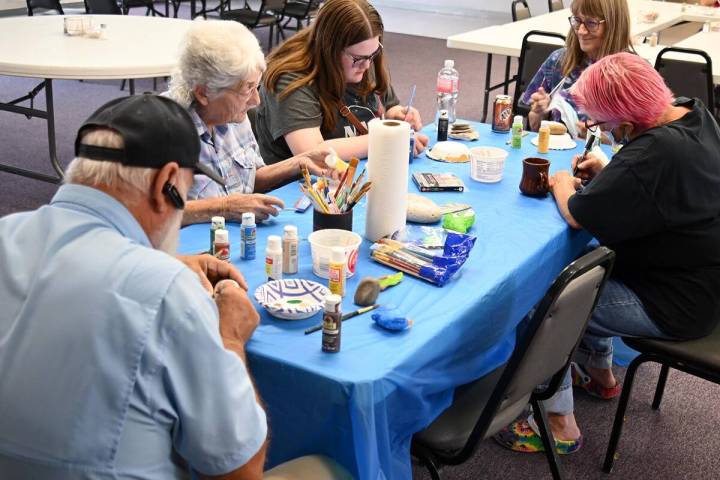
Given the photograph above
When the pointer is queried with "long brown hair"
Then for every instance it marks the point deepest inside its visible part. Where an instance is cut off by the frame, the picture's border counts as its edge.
(315, 53)
(617, 30)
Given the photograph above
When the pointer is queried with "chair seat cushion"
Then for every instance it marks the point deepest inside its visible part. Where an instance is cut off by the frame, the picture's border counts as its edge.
(451, 430)
(248, 17)
(703, 352)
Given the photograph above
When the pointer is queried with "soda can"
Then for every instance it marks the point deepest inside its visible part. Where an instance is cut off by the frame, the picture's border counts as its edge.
(502, 113)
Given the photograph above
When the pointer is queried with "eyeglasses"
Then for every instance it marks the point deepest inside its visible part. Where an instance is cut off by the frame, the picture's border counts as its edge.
(592, 127)
(247, 90)
(591, 25)
(361, 58)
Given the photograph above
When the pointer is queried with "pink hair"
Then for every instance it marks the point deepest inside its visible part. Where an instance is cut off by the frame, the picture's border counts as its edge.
(622, 88)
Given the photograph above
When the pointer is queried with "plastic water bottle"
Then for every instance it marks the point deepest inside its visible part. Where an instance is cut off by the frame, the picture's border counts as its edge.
(448, 82)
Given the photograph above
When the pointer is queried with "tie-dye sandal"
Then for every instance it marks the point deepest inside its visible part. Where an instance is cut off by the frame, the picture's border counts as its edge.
(581, 379)
(522, 435)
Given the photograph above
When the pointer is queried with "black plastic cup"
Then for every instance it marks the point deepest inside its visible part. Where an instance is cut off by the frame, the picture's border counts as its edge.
(341, 221)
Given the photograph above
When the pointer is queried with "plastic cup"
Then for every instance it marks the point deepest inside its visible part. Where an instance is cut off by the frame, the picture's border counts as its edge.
(321, 243)
(487, 164)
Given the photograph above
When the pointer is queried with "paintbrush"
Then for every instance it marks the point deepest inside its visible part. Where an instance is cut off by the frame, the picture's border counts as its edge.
(347, 316)
(409, 105)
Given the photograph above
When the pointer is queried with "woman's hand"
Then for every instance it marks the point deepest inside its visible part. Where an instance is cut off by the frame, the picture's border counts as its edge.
(314, 160)
(540, 102)
(263, 206)
(400, 112)
(588, 168)
(421, 142)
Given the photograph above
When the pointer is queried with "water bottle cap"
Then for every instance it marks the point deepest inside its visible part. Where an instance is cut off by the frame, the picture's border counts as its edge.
(449, 63)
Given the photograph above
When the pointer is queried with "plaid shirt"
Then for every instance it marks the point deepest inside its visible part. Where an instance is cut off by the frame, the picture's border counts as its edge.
(231, 150)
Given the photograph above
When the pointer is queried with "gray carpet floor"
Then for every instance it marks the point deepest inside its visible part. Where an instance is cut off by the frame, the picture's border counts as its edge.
(680, 441)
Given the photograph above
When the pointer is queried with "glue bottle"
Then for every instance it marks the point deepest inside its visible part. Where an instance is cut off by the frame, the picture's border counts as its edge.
(273, 258)
(517, 130)
(290, 249)
(336, 271)
(333, 161)
(216, 223)
(221, 246)
(248, 232)
(543, 145)
(332, 324)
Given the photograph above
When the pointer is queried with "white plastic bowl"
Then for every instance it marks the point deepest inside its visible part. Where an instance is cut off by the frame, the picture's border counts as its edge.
(487, 164)
(321, 243)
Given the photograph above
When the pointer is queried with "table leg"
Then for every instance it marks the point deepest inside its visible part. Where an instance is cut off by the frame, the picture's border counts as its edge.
(488, 73)
(49, 116)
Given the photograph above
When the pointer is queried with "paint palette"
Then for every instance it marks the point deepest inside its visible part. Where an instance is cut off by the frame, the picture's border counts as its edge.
(291, 299)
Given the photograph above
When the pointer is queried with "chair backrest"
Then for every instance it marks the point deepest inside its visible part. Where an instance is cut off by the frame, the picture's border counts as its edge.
(519, 10)
(273, 6)
(102, 7)
(544, 349)
(555, 5)
(532, 55)
(686, 78)
(44, 4)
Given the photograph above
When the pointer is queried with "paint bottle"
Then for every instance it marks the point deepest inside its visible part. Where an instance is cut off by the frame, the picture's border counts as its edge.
(332, 323)
(333, 161)
(216, 223)
(543, 145)
(221, 247)
(290, 249)
(336, 271)
(517, 130)
(273, 258)
(442, 126)
(248, 232)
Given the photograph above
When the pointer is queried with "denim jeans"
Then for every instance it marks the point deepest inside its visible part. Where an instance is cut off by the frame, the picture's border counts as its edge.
(619, 312)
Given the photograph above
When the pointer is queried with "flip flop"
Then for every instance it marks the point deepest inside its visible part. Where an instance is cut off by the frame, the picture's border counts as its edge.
(522, 435)
(582, 379)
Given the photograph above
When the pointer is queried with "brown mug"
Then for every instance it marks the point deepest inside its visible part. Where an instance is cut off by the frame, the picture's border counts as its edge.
(534, 181)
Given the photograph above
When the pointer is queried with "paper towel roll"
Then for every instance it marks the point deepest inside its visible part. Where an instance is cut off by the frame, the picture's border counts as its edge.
(388, 153)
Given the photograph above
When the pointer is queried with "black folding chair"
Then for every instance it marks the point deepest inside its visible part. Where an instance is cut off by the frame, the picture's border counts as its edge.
(300, 11)
(687, 78)
(44, 5)
(269, 15)
(532, 56)
(555, 5)
(484, 407)
(519, 10)
(102, 7)
(700, 358)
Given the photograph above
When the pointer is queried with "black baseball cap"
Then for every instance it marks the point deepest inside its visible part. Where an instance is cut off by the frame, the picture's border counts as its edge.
(156, 131)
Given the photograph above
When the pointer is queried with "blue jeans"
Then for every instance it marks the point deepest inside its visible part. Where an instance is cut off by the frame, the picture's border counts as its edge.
(619, 312)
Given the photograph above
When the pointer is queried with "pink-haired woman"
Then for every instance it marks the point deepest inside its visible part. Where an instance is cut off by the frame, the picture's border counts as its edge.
(657, 204)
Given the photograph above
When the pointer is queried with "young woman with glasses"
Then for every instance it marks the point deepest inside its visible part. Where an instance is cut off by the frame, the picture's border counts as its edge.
(323, 76)
(597, 28)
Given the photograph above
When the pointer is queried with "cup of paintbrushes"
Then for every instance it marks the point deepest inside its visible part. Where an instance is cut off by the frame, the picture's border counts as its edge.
(341, 221)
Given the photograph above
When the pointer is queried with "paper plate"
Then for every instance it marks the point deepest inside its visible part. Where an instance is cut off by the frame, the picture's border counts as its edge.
(452, 152)
(291, 299)
(558, 142)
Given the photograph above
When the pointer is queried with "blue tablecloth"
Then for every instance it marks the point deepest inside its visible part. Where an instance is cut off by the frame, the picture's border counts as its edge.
(362, 405)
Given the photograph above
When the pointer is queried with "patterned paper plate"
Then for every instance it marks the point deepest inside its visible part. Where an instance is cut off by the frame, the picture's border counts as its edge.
(558, 142)
(291, 299)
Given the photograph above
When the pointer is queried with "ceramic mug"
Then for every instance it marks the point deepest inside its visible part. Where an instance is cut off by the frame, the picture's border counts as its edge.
(534, 181)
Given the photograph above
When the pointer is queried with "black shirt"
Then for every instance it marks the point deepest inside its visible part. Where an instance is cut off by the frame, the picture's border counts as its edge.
(657, 204)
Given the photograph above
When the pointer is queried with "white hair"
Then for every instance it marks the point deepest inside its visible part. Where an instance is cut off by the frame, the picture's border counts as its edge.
(89, 172)
(217, 54)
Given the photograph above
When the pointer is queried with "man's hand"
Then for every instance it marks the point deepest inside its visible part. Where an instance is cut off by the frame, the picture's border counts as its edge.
(563, 179)
(263, 206)
(421, 142)
(588, 168)
(238, 317)
(211, 270)
(400, 112)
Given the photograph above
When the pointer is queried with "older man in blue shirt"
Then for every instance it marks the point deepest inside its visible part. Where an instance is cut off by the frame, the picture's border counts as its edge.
(115, 361)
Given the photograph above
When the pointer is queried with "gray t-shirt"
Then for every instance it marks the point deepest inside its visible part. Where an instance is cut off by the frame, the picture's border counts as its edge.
(301, 109)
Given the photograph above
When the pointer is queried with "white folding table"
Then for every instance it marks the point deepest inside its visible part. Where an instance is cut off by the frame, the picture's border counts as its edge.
(133, 47)
(507, 39)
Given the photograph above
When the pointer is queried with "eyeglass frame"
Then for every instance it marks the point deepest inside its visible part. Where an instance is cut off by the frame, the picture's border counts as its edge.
(361, 58)
(248, 91)
(580, 22)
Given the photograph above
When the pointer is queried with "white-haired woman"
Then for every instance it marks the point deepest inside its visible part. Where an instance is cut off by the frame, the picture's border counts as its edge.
(217, 80)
